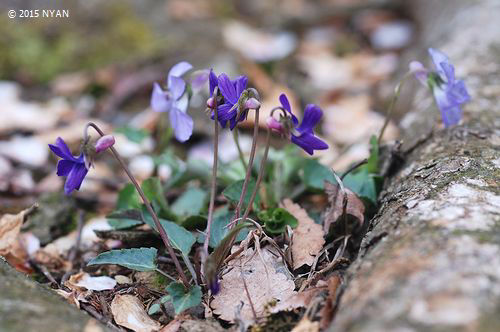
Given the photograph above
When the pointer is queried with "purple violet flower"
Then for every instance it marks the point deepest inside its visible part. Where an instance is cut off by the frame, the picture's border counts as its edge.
(175, 101)
(448, 92)
(73, 168)
(232, 91)
(304, 136)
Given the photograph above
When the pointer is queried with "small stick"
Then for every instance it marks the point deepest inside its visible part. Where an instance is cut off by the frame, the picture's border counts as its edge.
(160, 228)
(353, 167)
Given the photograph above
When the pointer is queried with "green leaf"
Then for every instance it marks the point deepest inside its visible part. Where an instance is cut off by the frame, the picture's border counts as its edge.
(124, 219)
(136, 135)
(363, 184)
(155, 307)
(276, 220)
(190, 203)
(139, 259)
(218, 230)
(154, 192)
(182, 298)
(233, 192)
(180, 238)
(373, 160)
(128, 198)
(194, 222)
(315, 174)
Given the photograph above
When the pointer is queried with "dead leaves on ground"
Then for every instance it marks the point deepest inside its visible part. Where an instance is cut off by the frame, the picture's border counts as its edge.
(129, 312)
(266, 284)
(308, 237)
(343, 203)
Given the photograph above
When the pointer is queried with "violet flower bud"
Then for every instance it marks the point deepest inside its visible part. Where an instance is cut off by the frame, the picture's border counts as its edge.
(211, 102)
(252, 103)
(274, 125)
(104, 142)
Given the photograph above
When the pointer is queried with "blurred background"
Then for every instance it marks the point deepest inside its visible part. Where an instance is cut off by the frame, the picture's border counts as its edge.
(99, 64)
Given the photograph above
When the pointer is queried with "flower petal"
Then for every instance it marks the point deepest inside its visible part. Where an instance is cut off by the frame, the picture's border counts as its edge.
(198, 79)
(61, 150)
(438, 57)
(286, 105)
(312, 115)
(160, 102)
(308, 142)
(75, 178)
(213, 82)
(226, 112)
(182, 124)
(420, 72)
(176, 86)
(64, 167)
(241, 84)
(180, 69)
(227, 89)
(458, 92)
(451, 116)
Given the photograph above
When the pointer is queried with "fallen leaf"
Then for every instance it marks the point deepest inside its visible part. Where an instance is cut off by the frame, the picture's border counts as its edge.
(25, 150)
(305, 325)
(307, 238)
(173, 326)
(355, 207)
(129, 312)
(202, 325)
(69, 296)
(10, 226)
(84, 280)
(266, 284)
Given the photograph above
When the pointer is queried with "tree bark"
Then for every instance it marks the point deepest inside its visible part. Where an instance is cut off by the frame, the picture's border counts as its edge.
(431, 258)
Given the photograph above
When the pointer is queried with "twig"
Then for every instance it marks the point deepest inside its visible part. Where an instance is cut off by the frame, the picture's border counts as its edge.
(91, 310)
(248, 295)
(353, 167)
(161, 230)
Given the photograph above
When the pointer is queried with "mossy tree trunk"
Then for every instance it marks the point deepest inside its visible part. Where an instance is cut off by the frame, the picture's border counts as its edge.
(431, 259)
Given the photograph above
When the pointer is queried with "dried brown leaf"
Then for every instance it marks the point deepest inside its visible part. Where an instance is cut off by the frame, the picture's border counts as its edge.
(265, 282)
(354, 208)
(83, 280)
(307, 238)
(129, 312)
(10, 226)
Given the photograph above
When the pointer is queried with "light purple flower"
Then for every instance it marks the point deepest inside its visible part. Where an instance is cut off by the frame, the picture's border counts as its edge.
(175, 101)
(303, 135)
(448, 92)
(73, 168)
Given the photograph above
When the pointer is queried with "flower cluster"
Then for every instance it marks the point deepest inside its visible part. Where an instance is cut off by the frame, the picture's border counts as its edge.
(448, 92)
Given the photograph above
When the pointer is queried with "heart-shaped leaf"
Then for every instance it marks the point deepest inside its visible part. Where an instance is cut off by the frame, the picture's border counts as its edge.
(139, 259)
(183, 298)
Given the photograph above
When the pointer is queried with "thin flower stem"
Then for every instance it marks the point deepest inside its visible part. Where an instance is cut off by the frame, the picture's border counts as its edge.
(190, 268)
(250, 165)
(397, 92)
(238, 146)
(213, 190)
(259, 177)
(160, 228)
(166, 275)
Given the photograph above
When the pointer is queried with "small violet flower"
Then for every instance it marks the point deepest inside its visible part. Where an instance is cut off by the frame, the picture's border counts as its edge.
(448, 92)
(75, 168)
(175, 101)
(301, 135)
(234, 108)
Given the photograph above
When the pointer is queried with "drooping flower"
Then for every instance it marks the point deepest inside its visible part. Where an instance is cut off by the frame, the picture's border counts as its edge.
(448, 92)
(73, 168)
(175, 101)
(301, 135)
